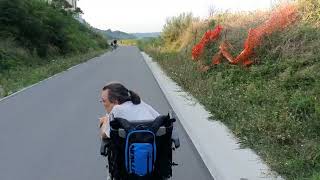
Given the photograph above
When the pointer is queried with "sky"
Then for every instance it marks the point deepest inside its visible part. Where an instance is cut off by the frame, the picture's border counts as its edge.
(150, 15)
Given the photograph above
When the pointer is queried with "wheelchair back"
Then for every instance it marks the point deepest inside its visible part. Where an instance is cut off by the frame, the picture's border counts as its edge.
(141, 150)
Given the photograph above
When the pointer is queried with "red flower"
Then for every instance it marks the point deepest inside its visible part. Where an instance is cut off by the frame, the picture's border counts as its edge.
(209, 36)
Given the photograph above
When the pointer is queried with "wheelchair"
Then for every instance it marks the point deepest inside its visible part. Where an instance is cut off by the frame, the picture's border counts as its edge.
(140, 150)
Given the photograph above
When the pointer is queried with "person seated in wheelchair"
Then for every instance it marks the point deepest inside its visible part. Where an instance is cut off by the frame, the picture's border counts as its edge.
(136, 139)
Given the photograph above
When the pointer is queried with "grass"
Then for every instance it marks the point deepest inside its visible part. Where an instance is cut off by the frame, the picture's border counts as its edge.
(273, 106)
(129, 42)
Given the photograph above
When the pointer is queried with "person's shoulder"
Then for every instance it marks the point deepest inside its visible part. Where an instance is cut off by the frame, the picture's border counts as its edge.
(144, 104)
(120, 107)
(151, 110)
(115, 109)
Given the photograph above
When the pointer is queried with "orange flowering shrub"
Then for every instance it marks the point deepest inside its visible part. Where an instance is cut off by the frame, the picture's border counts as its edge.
(209, 36)
(279, 20)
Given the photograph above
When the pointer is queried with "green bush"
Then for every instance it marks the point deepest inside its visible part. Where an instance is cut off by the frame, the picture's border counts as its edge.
(38, 26)
(175, 26)
(150, 43)
(32, 33)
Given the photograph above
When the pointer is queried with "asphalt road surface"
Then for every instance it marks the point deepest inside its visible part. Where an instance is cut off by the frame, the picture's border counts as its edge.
(49, 131)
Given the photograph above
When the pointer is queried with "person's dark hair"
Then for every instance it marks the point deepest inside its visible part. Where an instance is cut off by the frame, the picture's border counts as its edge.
(117, 92)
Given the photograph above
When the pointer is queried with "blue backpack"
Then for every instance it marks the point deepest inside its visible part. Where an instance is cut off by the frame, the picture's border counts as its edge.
(140, 149)
(140, 152)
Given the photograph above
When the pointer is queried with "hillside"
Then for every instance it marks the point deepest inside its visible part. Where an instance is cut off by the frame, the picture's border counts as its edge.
(146, 35)
(38, 39)
(272, 106)
(109, 34)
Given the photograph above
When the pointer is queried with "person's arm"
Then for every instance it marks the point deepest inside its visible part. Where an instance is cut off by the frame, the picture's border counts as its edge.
(104, 123)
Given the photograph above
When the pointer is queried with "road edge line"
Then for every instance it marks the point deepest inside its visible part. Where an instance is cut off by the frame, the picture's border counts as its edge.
(44, 80)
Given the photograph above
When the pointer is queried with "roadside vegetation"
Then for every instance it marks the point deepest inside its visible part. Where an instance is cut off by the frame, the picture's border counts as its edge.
(129, 42)
(273, 106)
(38, 39)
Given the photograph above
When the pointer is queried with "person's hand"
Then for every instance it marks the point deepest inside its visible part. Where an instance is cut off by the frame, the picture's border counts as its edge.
(103, 120)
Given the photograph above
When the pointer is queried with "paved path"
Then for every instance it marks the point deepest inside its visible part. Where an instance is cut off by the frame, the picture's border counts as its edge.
(49, 131)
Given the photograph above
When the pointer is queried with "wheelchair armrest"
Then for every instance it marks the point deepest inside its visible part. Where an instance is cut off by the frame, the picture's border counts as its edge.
(175, 137)
(176, 141)
(122, 133)
(161, 131)
(105, 142)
